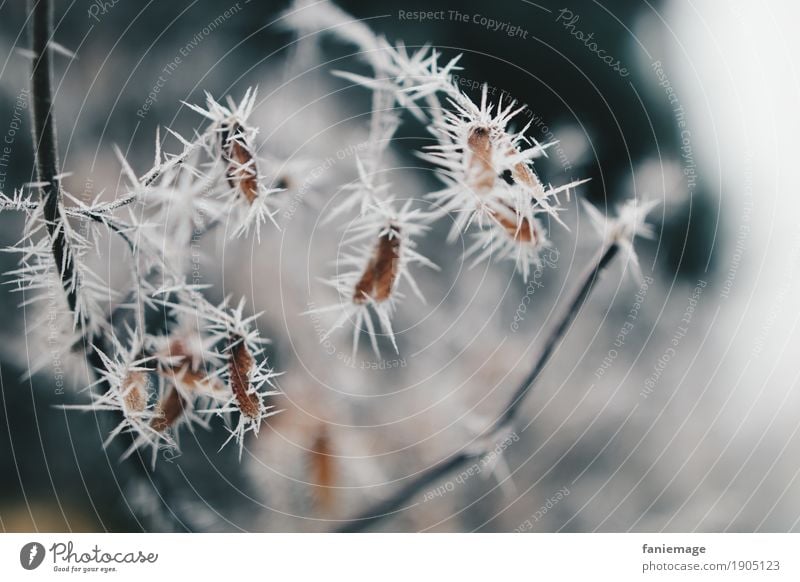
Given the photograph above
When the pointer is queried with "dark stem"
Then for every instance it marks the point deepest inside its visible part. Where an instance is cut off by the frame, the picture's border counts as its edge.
(46, 154)
(44, 134)
(390, 506)
(555, 336)
(394, 504)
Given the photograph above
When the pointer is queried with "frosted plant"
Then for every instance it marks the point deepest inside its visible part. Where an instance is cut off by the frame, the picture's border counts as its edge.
(153, 380)
(185, 363)
(485, 166)
(383, 252)
(629, 223)
(249, 382)
(17, 201)
(489, 180)
(512, 231)
(38, 272)
(126, 378)
(477, 151)
(248, 197)
(618, 238)
(205, 362)
(490, 187)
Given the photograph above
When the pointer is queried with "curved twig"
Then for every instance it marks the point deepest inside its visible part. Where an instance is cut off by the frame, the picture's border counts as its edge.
(392, 505)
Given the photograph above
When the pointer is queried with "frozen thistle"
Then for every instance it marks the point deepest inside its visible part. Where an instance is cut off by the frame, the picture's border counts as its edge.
(489, 180)
(175, 407)
(55, 255)
(247, 193)
(242, 173)
(127, 383)
(477, 155)
(169, 410)
(240, 368)
(513, 232)
(619, 235)
(383, 250)
(180, 378)
(249, 381)
(185, 355)
(182, 360)
(208, 360)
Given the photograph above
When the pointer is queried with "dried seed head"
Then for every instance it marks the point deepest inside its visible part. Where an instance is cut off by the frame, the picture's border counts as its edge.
(481, 169)
(323, 473)
(134, 391)
(240, 366)
(183, 370)
(168, 411)
(377, 262)
(518, 227)
(242, 173)
(187, 369)
(380, 274)
(523, 174)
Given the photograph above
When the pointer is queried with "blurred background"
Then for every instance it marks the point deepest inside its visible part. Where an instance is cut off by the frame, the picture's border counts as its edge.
(688, 422)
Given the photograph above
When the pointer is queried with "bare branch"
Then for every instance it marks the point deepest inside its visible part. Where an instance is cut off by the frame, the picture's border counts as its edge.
(392, 505)
(44, 132)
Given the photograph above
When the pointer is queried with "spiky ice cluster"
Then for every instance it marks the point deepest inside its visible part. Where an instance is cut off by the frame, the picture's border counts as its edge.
(373, 268)
(156, 380)
(490, 186)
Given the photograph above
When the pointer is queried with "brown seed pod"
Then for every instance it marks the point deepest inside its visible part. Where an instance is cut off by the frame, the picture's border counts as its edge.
(323, 473)
(169, 410)
(520, 232)
(523, 174)
(242, 173)
(479, 142)
(134, 391)
(183, 372)
(380, 274)
(240, 364)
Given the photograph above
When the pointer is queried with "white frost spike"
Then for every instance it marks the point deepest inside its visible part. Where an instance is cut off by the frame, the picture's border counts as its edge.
(51, 46)
(17, 202)
(629, 223)
(38, 273)
(221, 115)
(126, 168)
(61, 49)
(363, 193)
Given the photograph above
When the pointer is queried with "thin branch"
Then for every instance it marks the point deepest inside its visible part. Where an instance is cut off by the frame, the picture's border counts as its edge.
(391, 506)
(397, 502)
(553, 340)
(44, 132)
(46, 155)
